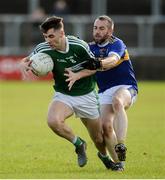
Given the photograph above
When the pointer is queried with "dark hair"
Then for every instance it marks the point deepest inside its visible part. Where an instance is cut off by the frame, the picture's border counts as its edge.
(51, 22)
(105, 17)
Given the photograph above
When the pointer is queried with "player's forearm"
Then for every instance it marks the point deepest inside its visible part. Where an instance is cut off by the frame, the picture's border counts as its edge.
(109, 62)
(85, 73)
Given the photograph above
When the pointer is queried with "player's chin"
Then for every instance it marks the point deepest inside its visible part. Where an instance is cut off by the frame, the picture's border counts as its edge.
(98, 40)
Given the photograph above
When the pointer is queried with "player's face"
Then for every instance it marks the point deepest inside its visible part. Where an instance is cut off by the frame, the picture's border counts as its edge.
(54, 38)
(101, 31)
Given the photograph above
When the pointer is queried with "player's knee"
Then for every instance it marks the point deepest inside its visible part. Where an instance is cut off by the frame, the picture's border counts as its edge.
(54, 123)
(107, 130)
(117, 104)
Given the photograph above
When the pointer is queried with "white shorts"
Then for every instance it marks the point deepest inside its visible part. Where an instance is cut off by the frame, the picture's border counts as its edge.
(85, 106)
(107, 96)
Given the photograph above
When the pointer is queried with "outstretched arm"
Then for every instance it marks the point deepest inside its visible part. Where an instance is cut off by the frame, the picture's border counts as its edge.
(73, 77)
(109, 62)
(102, 64)
(97, 63)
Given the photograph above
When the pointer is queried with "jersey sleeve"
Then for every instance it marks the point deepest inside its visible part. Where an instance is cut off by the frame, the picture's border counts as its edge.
(33, 52)
(86, 52)
(42, 47)
(118, 49)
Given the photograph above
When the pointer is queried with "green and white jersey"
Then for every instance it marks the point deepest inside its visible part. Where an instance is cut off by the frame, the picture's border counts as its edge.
(76, 51)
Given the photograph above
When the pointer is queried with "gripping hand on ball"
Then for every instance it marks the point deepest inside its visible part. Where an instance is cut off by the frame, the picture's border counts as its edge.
(25, 67)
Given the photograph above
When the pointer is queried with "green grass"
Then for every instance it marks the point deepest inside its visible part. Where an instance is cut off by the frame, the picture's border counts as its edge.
(29, 149)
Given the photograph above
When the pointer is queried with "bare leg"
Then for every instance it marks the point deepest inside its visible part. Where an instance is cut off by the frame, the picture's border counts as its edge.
(107, 116)
(121, 123)
(57, 114)
(95, 131)
(121, 101)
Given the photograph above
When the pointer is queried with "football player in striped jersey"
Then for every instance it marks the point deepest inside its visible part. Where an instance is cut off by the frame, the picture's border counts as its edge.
(116, 83)
(81, 100)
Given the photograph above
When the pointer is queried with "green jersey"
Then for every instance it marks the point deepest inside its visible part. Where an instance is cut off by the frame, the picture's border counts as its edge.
(76, 51)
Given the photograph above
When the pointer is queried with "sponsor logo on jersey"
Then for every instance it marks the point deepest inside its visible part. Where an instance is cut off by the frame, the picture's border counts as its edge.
(70, 58)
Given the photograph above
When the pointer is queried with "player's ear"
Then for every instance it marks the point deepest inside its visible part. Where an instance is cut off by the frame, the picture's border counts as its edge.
(62, 33)
(110, 30)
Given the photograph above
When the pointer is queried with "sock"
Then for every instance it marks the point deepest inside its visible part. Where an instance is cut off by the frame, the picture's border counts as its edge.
(77, 141)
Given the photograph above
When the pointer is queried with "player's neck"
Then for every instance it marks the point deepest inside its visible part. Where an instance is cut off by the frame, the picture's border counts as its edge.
(103, 43)
(63, 45)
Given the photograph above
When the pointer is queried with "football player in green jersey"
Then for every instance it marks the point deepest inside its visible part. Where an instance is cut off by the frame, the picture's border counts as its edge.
(81, 100)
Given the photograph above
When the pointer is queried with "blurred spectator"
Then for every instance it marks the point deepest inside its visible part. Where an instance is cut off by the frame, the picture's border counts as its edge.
(60, 7)
(38, 14)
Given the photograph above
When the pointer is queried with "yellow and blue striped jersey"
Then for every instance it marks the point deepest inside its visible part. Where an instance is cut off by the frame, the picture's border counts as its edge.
(122, 73)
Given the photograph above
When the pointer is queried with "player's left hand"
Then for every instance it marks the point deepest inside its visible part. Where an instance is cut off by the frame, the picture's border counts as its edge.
(71, 77)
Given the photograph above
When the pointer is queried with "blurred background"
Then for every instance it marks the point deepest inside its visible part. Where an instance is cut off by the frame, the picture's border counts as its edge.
(140, 24)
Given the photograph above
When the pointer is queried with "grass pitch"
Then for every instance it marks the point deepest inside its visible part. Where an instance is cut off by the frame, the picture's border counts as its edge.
(29, 149)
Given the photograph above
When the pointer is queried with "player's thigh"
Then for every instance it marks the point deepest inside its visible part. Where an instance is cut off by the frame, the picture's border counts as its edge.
(107, 113)
(59, 111)
(124, 96)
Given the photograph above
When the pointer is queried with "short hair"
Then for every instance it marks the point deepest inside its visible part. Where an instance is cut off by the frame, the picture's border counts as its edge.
(107, 18)
(51, 22)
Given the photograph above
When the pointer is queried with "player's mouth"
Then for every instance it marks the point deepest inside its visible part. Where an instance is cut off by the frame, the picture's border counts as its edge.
(97, 36)
(51, 45)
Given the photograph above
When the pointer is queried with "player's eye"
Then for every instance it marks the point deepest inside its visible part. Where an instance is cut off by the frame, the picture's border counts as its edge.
(51, 36)
(102, 28)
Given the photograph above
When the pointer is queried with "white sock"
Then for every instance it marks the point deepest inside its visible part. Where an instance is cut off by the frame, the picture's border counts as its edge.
(74, 140)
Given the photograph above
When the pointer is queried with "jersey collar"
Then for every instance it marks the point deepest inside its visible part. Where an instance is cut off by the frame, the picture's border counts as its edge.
(103, 45)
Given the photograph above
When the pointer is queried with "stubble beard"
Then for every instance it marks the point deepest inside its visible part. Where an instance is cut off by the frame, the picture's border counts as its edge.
(102, 40)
